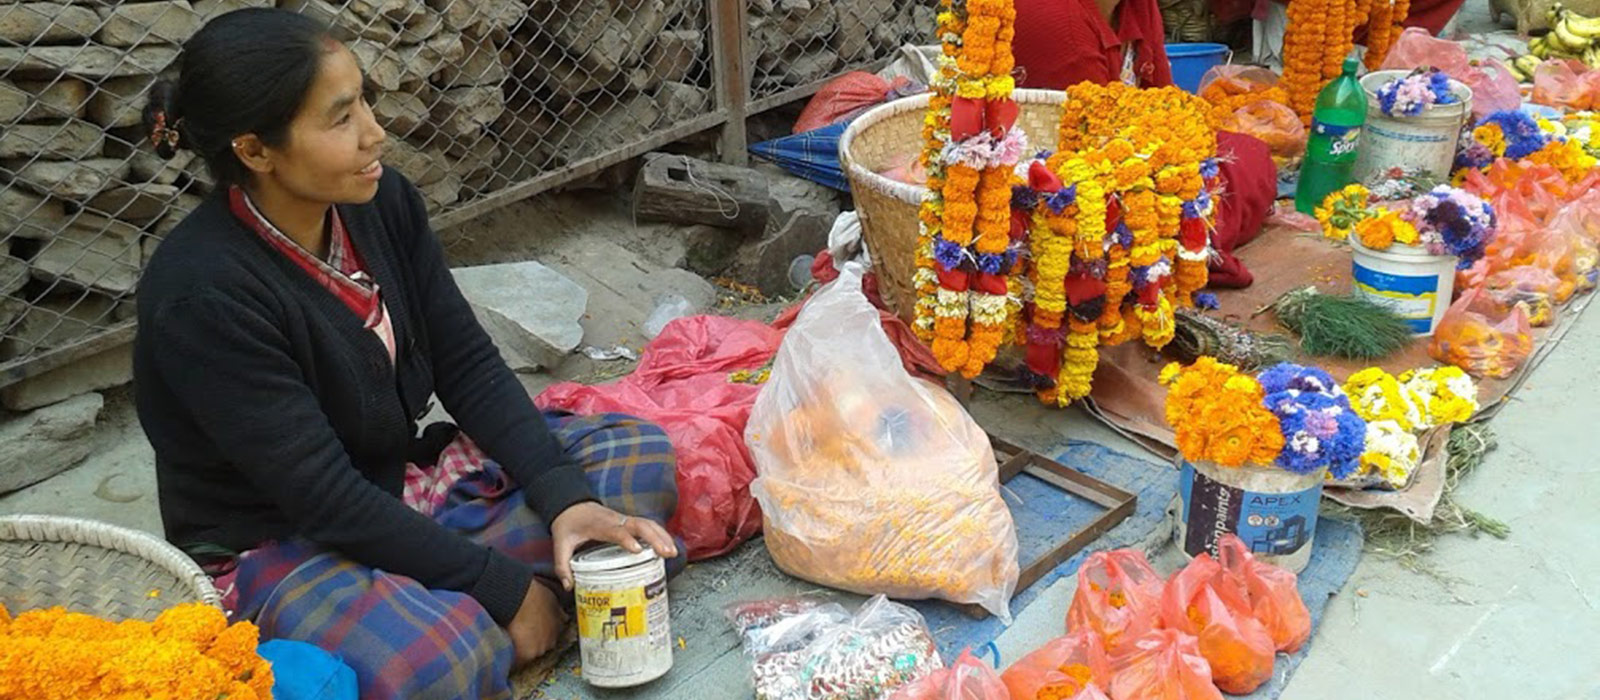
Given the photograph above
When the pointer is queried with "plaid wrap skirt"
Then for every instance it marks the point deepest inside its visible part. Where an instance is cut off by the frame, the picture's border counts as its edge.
(405, 640)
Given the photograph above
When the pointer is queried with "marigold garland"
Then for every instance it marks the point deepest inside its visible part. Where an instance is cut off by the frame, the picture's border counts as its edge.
(1121, 219)
(1321, 35)
(190, 651)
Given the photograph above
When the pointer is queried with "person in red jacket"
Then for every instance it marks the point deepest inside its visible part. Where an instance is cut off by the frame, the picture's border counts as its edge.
(1060, 43)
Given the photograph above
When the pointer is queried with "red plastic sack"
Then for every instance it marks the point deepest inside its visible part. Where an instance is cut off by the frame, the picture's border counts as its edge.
(1062, 668)
(1484, 345)
(1273, 592)
(1118, 598)
(844, 97)
(966, 679)
(1493, 87)
(682, 385)
(1199, 602)
(1162, 665)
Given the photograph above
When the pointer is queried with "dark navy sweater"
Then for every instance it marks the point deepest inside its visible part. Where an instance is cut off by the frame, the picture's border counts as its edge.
(274, 413)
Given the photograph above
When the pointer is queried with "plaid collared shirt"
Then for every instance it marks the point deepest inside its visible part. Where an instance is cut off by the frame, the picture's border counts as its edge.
(342, 274)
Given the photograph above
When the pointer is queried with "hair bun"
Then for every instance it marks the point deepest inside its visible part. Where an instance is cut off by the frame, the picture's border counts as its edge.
(162, 124)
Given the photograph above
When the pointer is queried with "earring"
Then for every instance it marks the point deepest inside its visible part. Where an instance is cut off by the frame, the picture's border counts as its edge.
(234, 143)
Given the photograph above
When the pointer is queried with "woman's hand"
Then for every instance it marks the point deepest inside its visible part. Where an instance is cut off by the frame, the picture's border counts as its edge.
(592, 522)
(537, 626)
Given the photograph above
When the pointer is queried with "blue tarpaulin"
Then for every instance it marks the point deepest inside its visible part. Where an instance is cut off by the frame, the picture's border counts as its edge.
(813, 155)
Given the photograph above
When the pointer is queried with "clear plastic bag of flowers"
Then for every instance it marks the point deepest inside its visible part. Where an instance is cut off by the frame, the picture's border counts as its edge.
(818, 651)
(869, 479)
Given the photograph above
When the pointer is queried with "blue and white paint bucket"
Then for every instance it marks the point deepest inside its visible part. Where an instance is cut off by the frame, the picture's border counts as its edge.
(1274, 511)
(1415, 284)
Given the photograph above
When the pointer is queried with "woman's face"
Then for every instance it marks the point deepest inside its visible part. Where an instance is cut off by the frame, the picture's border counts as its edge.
(334, 144)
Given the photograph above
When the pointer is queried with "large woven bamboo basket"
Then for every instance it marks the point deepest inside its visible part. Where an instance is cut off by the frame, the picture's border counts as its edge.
(93, 567)
(884, 137)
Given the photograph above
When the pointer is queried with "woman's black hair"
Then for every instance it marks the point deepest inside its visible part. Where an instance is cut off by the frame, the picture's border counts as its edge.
(245, 72)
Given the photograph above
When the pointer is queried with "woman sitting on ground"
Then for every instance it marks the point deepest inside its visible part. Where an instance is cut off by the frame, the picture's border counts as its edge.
(292, 330)
(1060, 43)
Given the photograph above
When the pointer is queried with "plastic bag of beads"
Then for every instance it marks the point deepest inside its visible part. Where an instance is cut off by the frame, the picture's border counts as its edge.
(1118, 598)
(1164, 664)
(966, 679)
(783, 624)
(880, 648)
(1198, 602)
(1061, 669)
(869, 479)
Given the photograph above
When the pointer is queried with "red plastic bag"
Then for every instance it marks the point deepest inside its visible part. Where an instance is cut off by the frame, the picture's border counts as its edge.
(966, 679)
(1273, 592)
(1493, 87)
(844, 97)
(1531, 287)
(1482, 344)
(1062, 668)
(1118, 598)
(1162, 665)
(682, 385)
(1198, 601)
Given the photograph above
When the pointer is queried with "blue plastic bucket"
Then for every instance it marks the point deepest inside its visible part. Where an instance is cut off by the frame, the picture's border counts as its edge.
(1191, 61)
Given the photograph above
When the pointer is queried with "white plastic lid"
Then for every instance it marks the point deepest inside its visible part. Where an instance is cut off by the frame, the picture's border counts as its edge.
(610, 558)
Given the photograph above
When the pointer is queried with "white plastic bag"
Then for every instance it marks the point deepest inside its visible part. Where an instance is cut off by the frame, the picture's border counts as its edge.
(870, 480)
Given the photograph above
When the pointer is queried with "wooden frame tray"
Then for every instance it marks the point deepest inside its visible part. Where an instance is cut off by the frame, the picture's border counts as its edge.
(1119, 504)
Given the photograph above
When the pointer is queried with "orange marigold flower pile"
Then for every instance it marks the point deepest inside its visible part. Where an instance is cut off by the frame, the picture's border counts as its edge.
(1218, 414)
(189, 653)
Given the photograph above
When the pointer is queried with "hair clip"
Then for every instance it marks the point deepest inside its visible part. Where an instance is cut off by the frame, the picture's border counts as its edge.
(162, 133)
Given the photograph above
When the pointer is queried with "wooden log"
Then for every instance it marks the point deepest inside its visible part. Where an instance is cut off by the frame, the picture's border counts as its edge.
(88, 61)
(686, 190)
(59, 141)
(27, 23)
(136, 23)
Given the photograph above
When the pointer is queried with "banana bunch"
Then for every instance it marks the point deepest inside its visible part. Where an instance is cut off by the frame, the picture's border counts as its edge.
(1571, 36)
(1522, 67)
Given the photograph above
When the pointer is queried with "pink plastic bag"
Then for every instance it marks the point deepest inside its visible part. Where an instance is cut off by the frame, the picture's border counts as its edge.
(966, 679)
(1471, 336)
(1198, 601)
(1566, 83)
(1063, 667)
(1118, 598)
(1530, 287)
(1162, 665)
(1493, 87)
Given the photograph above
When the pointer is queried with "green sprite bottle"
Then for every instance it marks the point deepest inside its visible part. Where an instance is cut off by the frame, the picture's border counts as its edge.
(1334, 139)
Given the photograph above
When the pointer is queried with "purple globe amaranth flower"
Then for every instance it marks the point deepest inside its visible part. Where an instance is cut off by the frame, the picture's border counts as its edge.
(1059, 201)
(991, 263)
(1209, 168)
(1024, 197)
(1207, 300)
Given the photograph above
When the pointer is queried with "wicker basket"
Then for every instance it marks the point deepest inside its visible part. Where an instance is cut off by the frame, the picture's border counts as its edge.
(93, 567)
(881, 138)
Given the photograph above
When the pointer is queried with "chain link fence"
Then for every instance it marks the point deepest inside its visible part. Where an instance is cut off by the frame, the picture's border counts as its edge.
(485, 101)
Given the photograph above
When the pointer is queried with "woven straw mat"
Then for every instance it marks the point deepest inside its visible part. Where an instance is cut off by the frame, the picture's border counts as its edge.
(890, 135)
(93, 567)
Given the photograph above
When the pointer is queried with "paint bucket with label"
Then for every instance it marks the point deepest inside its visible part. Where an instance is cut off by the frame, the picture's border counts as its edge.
(624, 634)
(1405, 278)
(1273, 510)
